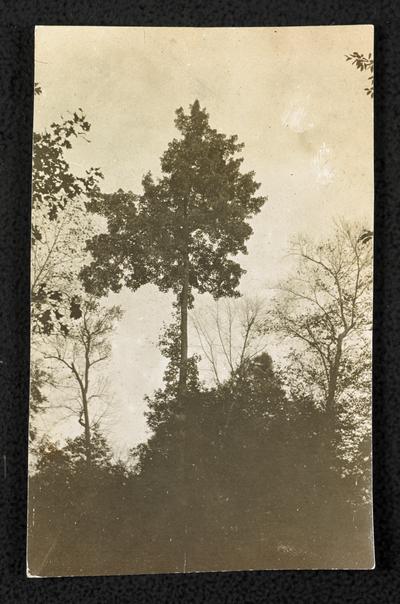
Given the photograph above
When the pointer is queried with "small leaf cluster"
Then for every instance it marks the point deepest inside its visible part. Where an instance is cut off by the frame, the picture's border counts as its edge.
(364, 63)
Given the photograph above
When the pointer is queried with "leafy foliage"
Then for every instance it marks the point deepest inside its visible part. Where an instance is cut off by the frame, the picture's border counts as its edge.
(78, 519)
(244, 443)
(59, 222)
(364, 63)
(38, 401)
(366, 236)
(53, 182)
(325, 310)
(202, 202)
(60, 227)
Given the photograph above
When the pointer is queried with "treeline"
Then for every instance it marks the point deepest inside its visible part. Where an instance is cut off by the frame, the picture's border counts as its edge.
(261, 467)
(254, 480)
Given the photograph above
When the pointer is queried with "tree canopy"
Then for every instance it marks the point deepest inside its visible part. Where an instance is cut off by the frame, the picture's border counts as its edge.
(60, 224)
(198, 209)
(182, 232)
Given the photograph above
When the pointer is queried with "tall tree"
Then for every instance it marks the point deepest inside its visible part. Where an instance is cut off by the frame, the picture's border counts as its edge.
(60, 227)
(326, 305)
(181, 233)
(80, 352)
(325, 311)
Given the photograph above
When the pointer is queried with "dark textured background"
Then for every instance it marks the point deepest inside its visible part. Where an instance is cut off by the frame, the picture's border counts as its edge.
(16, 78)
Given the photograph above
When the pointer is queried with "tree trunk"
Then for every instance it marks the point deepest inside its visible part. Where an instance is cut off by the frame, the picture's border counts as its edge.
(184, 470)
(84, 388)
(88, 444)
(330, 408)
(85, 402)
(184, 301)
(333, 378)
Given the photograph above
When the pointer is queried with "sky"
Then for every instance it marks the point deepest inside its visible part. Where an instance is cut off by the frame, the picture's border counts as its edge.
(289, 95)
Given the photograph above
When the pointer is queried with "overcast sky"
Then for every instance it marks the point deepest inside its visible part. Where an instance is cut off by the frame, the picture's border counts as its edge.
(290, 96)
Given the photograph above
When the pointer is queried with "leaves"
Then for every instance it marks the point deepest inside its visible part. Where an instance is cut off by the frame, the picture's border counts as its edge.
(364, 64)
(199, 208)
(60, 225)
(75, 308)
(53, 184)
(366, 237)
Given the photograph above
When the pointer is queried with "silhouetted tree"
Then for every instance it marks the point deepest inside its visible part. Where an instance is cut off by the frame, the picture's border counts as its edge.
(181, 232)
(325, 312)
(326, 306)
(78, 352)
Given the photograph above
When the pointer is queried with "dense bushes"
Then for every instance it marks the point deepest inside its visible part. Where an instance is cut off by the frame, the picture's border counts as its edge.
(241, 478)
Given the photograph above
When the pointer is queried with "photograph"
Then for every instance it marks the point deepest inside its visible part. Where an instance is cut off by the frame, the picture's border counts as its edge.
(201, 300)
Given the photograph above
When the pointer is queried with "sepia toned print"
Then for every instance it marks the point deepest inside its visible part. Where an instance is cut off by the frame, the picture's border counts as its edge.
(201, 300)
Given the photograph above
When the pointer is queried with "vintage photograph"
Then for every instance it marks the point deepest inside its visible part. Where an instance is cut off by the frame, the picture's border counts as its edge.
(201, 300)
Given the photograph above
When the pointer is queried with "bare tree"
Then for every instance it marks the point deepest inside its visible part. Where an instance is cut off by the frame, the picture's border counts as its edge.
(229, 334)
(80, 351)
(326, 306)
